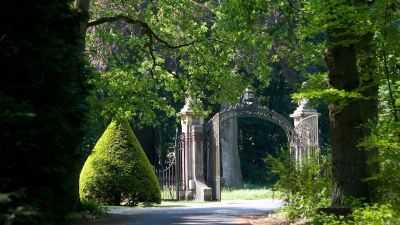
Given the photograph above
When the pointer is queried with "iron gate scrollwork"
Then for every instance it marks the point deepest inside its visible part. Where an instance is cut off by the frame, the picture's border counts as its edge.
(305, 139)
(169, 178)
(259, 111)
(301, 139)
(212, 137)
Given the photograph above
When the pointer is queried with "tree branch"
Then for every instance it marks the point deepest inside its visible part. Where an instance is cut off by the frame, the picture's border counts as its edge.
(150, 46)
(102, 20)
(145, 29)
(150, 32)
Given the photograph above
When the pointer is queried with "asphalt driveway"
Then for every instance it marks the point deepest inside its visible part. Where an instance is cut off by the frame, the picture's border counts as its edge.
(218, 213)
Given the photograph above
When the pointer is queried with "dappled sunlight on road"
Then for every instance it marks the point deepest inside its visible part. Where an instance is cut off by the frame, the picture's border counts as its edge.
(218, 213)
(216, 218)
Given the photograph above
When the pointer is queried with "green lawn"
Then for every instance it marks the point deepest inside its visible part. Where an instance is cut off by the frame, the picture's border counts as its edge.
(248, 192)
(237, 192)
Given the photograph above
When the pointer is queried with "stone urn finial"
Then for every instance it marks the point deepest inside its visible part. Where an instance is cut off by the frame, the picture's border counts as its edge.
(188, 103)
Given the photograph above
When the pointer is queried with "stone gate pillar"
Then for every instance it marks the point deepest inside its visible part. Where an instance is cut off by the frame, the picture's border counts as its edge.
(193, 155)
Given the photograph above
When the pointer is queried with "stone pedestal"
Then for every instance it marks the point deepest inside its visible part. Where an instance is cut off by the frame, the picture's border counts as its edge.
(203, 192)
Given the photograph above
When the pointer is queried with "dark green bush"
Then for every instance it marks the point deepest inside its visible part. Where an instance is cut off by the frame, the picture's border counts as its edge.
(118, 171)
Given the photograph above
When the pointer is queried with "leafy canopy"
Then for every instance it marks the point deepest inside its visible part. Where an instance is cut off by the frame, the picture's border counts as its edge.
(167, 50)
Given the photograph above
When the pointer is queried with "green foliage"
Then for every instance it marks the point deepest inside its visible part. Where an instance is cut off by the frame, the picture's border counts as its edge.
(385, 138)
(88, 209)
(389, 107)
(118, 171)
(372, 28)
(374, 22)
(16, 210)
(385, 141)
(257, 139)
(342, 97)
(89, 205)
(209, 50)
(92, 207)
(305, 187)
(375, 214)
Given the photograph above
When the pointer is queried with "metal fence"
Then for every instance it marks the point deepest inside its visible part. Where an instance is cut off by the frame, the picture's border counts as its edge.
(169, 178)
(168, 182)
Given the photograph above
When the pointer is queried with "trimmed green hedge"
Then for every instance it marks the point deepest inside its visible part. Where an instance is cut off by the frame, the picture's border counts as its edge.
(118, 171)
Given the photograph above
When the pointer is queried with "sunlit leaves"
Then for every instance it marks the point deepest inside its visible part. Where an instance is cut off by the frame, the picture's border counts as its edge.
(124, 95)
(386, 138)
(230, 48)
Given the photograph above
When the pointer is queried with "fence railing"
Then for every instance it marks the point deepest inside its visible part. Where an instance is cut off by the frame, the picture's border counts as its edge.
(169, 178)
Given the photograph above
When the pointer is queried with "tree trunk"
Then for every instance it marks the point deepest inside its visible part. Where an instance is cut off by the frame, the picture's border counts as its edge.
(348, 162)
(349, 72)
(82, 6)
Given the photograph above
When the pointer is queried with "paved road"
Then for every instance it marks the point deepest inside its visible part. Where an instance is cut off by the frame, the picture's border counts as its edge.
(218, 213)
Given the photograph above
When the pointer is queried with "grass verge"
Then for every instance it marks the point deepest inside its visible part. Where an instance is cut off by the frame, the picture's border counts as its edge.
(248, 192)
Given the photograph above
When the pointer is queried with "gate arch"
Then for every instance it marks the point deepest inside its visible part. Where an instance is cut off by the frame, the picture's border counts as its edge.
(258, 111)
(212, 145)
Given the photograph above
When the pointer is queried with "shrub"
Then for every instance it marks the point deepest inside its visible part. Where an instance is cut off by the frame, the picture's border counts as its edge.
(375, 214)
(385, 138)
(118, 171)
(92, 207)
(305, 188)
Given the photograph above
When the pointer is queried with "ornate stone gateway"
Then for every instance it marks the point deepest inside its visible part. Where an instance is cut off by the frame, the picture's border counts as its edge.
(198, 158)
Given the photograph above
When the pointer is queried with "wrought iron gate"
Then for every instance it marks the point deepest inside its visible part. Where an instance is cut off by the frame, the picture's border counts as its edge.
(302, 139)
(305, 139)
(298, 139)
(169, 178)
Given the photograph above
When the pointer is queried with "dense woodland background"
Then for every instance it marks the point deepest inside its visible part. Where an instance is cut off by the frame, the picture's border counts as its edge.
(69, 67)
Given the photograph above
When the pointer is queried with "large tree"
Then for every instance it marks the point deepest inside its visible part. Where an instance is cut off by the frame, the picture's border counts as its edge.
(349, 39)
(352, 69)
(354, 55)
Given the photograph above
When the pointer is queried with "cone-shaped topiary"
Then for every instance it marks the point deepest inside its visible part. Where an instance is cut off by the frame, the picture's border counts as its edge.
(118, 171)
